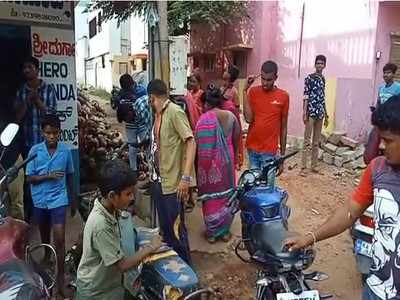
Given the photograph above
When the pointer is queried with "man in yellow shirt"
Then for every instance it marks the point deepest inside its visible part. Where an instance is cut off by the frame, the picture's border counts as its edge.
(173, 151)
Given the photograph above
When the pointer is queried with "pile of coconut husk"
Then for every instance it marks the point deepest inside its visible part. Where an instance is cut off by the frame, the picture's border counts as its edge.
(98, 142)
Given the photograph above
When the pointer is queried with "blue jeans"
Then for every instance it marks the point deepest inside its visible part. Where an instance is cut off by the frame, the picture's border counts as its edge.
(134, 137)
(257, 161)
(171, 216)
(368, 294)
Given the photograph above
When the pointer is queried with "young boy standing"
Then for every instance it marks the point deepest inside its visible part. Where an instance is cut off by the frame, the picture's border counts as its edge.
(50, 175)
(391, 87)
(314, 113)
(103, 262)
(380, 186)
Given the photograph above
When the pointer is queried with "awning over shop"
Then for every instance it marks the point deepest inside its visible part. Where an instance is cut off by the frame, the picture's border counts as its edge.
(238, 47)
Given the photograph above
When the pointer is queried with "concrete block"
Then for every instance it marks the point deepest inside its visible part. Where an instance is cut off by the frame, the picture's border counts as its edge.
(335, 137)
(348, 165)
(359, 163)
(324, 138)
(320, 153)
(295, 142)
(330, 148)
(348, 156)
(359, 152)
(328, 158)
(339, 151)
(338, 161)
(349, 142)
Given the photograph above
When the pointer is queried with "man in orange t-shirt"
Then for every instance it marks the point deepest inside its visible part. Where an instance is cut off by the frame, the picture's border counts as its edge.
(266, 110)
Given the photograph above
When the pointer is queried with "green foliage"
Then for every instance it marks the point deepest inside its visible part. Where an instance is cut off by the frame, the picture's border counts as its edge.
(180, 13)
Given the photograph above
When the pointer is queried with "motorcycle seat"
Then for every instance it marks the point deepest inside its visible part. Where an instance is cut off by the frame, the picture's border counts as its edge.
(269, 237)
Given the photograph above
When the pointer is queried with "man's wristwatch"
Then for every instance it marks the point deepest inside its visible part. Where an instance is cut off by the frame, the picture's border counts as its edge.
(186, 178)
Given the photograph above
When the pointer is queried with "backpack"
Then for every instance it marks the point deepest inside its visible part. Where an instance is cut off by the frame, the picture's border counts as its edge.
(124, 104)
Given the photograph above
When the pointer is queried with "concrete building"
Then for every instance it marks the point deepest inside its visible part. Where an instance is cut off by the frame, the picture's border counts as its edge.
(106, 50)
(358, 37)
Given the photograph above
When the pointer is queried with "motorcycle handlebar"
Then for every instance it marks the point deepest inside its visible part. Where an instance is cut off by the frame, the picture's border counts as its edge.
(25, 162)
(274, 163)
(232, 198)
(13, 171)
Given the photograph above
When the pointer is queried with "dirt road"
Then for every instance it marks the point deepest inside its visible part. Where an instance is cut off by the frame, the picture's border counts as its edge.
(312, 200)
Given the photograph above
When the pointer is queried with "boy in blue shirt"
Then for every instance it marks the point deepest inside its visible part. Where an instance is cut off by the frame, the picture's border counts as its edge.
(50, 175)
(390, 88)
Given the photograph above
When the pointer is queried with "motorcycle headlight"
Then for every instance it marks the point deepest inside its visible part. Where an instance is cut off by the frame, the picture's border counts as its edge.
(247, 178)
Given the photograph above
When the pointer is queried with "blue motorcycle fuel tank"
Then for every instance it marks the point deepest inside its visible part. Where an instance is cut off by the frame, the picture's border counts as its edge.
(263, 204)
(164, 273)
(170, 271)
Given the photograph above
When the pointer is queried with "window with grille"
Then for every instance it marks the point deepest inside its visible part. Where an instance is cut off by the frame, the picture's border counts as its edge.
(123, 68)
(92, 27)
(209, 63)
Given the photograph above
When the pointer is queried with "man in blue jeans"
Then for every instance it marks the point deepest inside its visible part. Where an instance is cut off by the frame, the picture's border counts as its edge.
(138, 128)
(266, 110)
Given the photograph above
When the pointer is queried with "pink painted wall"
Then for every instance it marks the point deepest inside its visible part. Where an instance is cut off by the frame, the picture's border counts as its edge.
(345, 37)
(352, 106)
(388, 21)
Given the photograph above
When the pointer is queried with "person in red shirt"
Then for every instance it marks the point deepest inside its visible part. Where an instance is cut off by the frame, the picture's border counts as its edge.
(266, 109)
(379, 186)
(194, 99)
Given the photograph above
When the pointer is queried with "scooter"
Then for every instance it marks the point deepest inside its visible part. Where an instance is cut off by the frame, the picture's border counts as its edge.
(362, 233)
(162, 276)
(21, 277)
(264, 215)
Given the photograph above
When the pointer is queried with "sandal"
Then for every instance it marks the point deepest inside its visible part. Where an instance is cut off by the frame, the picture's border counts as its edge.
(211, 240)
(227, 237)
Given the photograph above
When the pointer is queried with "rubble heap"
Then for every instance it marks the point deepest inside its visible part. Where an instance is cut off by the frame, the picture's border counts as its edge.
(339, 150)
(98, 142)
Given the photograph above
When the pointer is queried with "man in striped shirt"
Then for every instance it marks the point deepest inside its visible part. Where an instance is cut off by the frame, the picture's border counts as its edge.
(138, 129)
(34, 99)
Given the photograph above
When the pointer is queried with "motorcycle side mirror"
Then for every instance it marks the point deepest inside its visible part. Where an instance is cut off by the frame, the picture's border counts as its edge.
(316, 276)
(8, 134)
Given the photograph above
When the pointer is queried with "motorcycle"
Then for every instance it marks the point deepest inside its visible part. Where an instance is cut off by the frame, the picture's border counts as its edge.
(21, 277)
(362, 233)
(162, 276)
(264, 215)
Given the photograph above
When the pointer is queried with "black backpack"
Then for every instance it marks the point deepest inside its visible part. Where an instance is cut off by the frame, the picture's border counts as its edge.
(124, 104)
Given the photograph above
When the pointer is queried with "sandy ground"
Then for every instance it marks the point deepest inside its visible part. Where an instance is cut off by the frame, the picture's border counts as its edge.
(312, 200)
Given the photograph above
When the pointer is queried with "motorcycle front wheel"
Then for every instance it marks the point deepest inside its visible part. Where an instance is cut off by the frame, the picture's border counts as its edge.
(265, 293)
